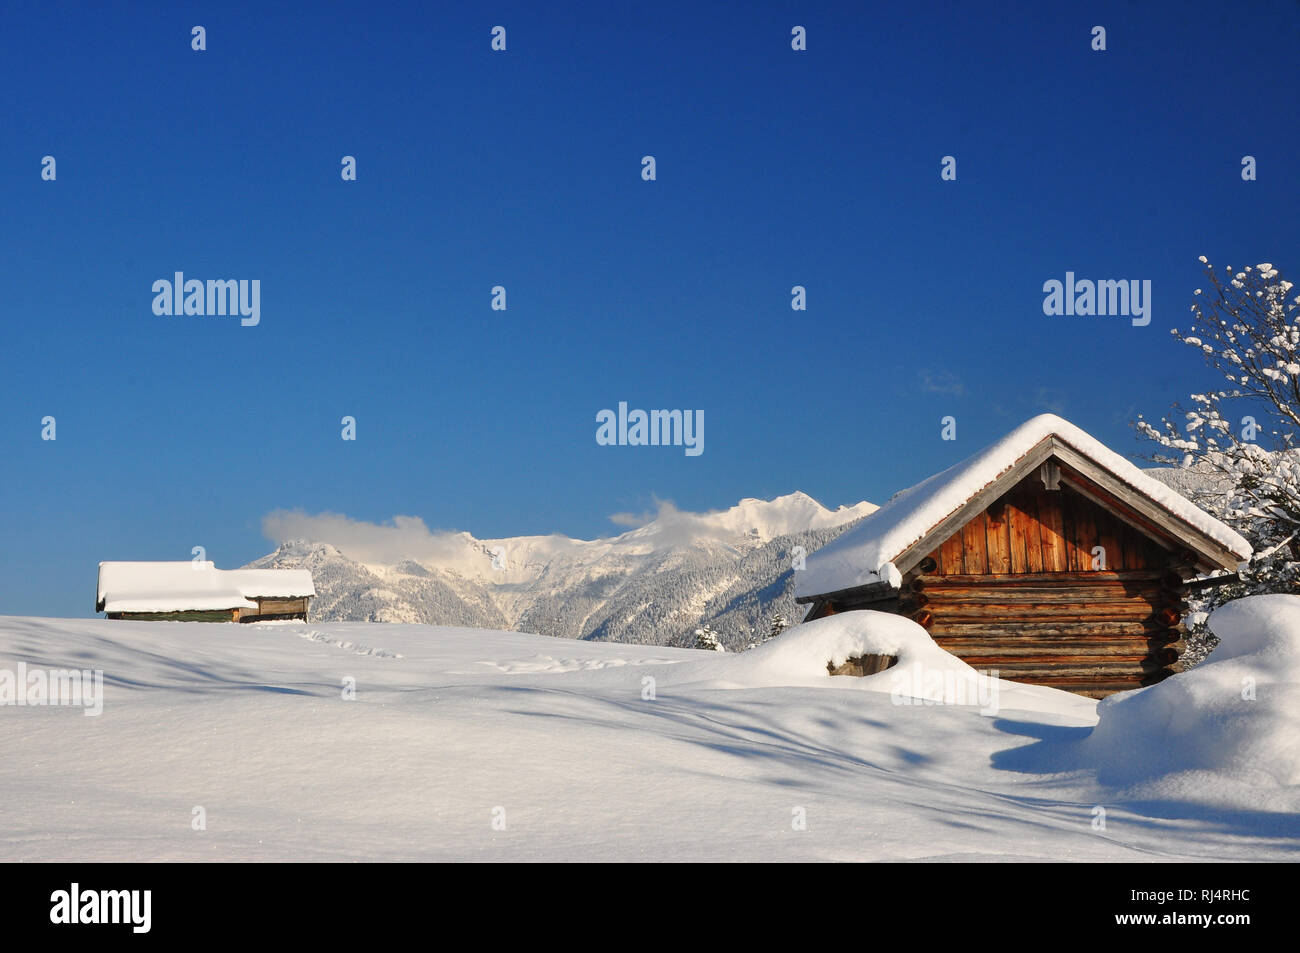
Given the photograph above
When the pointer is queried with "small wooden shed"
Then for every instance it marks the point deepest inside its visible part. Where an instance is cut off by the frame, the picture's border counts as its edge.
(1046, 556)
(200, 592)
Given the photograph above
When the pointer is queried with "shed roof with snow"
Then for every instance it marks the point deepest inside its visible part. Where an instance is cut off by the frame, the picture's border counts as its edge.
(901, 533)
(1045, 557)
(160, 587)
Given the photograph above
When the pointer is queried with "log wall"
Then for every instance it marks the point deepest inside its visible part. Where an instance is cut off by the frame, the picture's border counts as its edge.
(1093, 633)
(1016, 590)
(274, 609)
(216, 615)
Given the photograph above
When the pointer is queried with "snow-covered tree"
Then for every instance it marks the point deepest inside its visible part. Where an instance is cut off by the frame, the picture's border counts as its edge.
(779, 624)
(706, 638)
(1248, 432)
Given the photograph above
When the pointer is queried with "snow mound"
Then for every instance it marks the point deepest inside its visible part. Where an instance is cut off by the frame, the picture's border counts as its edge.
(924, 673)
(799, 656)
(1228, 731)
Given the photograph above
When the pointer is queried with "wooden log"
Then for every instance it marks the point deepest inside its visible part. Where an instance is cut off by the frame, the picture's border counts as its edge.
(1075, 585)
(1045, 670)
(1054, 578)
(1009, 612)
(1160, 674)
(1071, 683)
(1030, 615)
(1164, 655)
(1196, 585)
(1028, 631)
(1119, 648)
(1097, 693)
(1013, 597)
(1178, 646)
(1169, 616)
(1080, 583)
(1088, 687)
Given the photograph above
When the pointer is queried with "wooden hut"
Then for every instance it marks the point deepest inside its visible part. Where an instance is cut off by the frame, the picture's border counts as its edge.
(1046, 556)
(200, 592)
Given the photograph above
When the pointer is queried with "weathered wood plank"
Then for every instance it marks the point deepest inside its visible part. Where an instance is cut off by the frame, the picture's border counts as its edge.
(279, 606)
(1028, 503)
(1108, 538)
(974, 558)
(1051, 532)
(998, 541)
(950, 555)
(1084, 528)
(1018, 525)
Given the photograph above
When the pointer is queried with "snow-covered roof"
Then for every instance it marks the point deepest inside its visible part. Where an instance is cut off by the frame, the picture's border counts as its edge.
(866, 553)
(193, 586)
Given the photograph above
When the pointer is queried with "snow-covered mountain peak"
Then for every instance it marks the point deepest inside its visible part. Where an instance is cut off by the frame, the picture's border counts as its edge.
(751, 518)
(649, 584)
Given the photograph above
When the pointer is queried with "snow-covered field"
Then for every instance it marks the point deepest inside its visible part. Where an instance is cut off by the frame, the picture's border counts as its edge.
(479, 745)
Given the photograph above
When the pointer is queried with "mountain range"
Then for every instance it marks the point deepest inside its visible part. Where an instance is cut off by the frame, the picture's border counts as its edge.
(656, 584)
(652, 585)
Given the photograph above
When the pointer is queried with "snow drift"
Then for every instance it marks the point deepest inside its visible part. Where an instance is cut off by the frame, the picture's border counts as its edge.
(800, 655)
(597, 752)
(924, 672)
(1225, 733)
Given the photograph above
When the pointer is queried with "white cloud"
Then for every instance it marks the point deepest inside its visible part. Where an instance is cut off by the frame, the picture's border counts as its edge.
(941, 382)
(664, 510)
(404, 537)
(407, 537)
(632, 520)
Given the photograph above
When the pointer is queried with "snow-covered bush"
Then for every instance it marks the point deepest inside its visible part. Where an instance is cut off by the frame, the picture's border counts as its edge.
(706, 638)
(1248, 331)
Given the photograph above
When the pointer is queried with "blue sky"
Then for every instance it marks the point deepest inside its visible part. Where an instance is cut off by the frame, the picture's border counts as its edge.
(522, 169)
